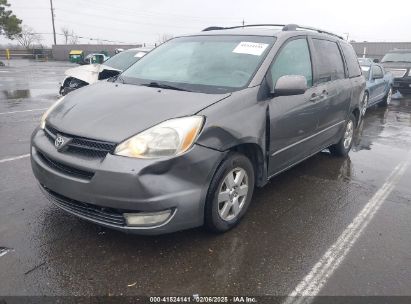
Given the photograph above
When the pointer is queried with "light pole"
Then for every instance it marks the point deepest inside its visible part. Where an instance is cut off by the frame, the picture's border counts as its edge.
(52, 20)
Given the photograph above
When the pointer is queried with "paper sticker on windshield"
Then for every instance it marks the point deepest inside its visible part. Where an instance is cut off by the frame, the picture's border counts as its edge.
(250, 48)
(365, 68)
(139, 54)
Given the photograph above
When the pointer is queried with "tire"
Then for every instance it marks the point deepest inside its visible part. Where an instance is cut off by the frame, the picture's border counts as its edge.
(226, 204)
(343, 147)
(387, 99)
(364, 104)
(63, 91)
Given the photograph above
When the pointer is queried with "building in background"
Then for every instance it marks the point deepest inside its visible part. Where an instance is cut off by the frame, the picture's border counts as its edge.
(62, 51)
(377, 50)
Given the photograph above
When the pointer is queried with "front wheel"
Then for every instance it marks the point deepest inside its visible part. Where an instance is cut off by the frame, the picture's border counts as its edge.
(230, 193)
(387, 99)
(344, 145)
(364, 105)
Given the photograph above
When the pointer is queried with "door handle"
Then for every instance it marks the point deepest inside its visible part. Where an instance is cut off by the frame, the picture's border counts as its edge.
(317, 97)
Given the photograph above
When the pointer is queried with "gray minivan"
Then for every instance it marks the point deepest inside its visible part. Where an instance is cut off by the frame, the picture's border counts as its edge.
(182, 137)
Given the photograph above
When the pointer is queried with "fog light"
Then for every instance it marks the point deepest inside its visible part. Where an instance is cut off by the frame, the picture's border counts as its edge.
(147, 218)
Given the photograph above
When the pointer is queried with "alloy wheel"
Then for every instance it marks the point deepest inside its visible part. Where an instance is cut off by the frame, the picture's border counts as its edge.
(233, 194)
(348, 135)
(389, 96)
(364, 104)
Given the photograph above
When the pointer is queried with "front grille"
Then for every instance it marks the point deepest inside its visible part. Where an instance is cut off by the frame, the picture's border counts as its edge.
(65, 169)
(80, 145)
(397, 73)
(104, 215)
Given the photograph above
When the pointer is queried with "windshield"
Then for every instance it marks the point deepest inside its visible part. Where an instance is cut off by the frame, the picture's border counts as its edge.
(123, 60)
(208, 64)
(397, 57)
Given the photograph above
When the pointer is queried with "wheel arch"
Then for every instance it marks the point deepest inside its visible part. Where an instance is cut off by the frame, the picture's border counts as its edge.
(255, 154)
(357, 114)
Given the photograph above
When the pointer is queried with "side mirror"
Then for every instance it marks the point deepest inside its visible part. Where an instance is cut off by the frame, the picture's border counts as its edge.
(290, 85)
(376, 61)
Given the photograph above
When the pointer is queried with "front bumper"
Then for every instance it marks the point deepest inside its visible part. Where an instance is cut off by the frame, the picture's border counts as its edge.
(403, 85)
(115, 185)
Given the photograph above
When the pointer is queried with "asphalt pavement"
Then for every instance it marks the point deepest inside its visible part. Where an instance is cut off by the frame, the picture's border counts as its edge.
(329, 226)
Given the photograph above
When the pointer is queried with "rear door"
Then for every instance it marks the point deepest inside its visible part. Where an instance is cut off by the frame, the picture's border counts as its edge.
(332, 81)
(293, 119)
(354, 74)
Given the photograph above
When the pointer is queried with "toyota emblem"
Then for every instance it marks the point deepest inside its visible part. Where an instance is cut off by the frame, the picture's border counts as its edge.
(59, 142)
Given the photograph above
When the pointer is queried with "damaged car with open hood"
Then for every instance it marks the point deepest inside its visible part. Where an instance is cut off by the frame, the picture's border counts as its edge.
(181, 138)
(91, 73)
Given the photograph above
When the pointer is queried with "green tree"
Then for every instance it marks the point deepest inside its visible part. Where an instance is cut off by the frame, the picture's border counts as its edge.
(10, 25)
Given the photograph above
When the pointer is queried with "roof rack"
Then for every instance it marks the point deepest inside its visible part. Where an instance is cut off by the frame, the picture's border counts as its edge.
(285, 28)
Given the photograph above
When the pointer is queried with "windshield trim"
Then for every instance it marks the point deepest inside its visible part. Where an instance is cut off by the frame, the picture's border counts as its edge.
(207, 89)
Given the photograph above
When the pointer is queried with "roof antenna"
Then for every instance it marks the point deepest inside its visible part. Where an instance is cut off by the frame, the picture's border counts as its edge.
(243, 22)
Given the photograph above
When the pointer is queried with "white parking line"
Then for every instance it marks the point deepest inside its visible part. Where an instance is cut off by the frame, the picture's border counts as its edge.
(13, 158)
(313, 282)
(32, 110)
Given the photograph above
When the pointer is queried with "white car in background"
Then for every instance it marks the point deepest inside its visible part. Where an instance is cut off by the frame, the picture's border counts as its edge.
(88, 74)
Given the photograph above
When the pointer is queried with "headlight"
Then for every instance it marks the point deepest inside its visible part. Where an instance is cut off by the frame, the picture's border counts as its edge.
(169, 138)
(43, 118)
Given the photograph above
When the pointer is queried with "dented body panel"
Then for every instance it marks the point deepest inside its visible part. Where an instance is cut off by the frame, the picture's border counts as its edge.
(88, 73)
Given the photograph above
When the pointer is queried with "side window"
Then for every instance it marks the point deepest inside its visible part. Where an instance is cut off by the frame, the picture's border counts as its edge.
(329, 62)
(351, 59)
(293, 59)
(366, 70)
(376, 71)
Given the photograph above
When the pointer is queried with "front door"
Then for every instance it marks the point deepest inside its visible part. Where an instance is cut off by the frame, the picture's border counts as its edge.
(377, 80)
(293, 119)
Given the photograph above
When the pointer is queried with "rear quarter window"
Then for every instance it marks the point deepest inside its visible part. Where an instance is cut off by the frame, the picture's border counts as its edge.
(353, 66)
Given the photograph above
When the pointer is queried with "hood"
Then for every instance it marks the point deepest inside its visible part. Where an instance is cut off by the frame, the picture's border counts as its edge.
(113, 112)
(88, 73)
(396, 65)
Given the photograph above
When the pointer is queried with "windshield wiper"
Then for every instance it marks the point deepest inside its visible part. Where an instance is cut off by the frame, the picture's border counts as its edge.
(119, 77)
(154, 84)
(114, 78)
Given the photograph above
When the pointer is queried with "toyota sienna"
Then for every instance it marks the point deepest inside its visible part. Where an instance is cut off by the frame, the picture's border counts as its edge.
(182, 137)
